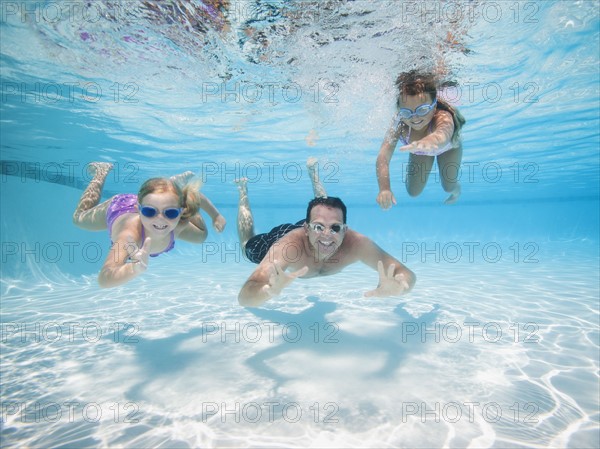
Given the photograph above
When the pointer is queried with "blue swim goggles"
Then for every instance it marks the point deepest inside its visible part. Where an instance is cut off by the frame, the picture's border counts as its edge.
(148, 211)
(421, 111)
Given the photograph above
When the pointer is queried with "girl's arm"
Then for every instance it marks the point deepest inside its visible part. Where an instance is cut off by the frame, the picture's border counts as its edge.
(441, 135)
(192, 229)
(217, 219)
(125, 260)
(382, 168)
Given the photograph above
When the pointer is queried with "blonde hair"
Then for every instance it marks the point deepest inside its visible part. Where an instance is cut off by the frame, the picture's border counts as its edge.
(189, 194)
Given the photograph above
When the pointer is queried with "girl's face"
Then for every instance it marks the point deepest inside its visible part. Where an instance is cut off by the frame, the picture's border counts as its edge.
(165, 205)
(412, 102)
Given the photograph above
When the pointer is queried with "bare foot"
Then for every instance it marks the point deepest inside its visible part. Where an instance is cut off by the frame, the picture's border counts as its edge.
(453, 198)
(311, 138)
(311, 162)
(313, 171)
(241, 183)
(182, 178)
(99, 169)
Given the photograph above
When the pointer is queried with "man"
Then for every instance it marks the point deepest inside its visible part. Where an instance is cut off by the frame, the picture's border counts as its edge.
(318, 246)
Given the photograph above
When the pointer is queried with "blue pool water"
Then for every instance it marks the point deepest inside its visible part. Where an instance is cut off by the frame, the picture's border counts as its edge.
(497, 345)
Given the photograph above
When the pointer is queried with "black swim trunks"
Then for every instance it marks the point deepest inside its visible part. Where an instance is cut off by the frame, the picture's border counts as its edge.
(258, 246)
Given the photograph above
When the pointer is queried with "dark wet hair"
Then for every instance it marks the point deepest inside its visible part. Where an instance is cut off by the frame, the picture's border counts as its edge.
(330, 201)
(415, 83)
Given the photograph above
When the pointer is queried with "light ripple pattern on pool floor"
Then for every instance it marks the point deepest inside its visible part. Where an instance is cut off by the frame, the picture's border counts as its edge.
(478, 355)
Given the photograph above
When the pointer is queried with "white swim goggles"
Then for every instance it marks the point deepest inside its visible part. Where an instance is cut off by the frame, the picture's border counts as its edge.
(420, 111)
(333, 229)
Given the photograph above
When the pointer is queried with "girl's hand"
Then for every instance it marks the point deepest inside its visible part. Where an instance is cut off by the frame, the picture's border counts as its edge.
(219, 223)
(389, 284)
(424, 145)
(139, 258)
(385, 199)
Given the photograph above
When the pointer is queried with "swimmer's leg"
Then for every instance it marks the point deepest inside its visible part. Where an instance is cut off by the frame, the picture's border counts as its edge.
(245, 223)
(417, 173)
(182, 179)
(89, 214)
(313, 171)
(449, 166)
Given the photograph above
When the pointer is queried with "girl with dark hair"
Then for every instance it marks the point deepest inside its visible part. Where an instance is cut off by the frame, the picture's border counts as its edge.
(428, 128)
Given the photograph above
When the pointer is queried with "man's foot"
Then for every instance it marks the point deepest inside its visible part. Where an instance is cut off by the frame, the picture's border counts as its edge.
(241, 184)
(312, 164)
(311, 138)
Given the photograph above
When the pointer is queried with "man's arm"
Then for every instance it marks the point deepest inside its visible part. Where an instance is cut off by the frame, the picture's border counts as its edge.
(396, 281)
(253, 293)
(270, 278)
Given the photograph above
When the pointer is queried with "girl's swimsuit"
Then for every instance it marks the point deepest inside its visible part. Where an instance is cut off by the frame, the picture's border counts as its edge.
(125, 203)
(406, 141)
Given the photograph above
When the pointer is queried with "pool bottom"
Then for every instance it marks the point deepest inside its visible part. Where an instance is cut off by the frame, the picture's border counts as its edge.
(486, 354)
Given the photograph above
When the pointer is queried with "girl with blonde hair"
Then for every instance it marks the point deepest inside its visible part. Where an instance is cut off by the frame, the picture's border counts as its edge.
(143, 225)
